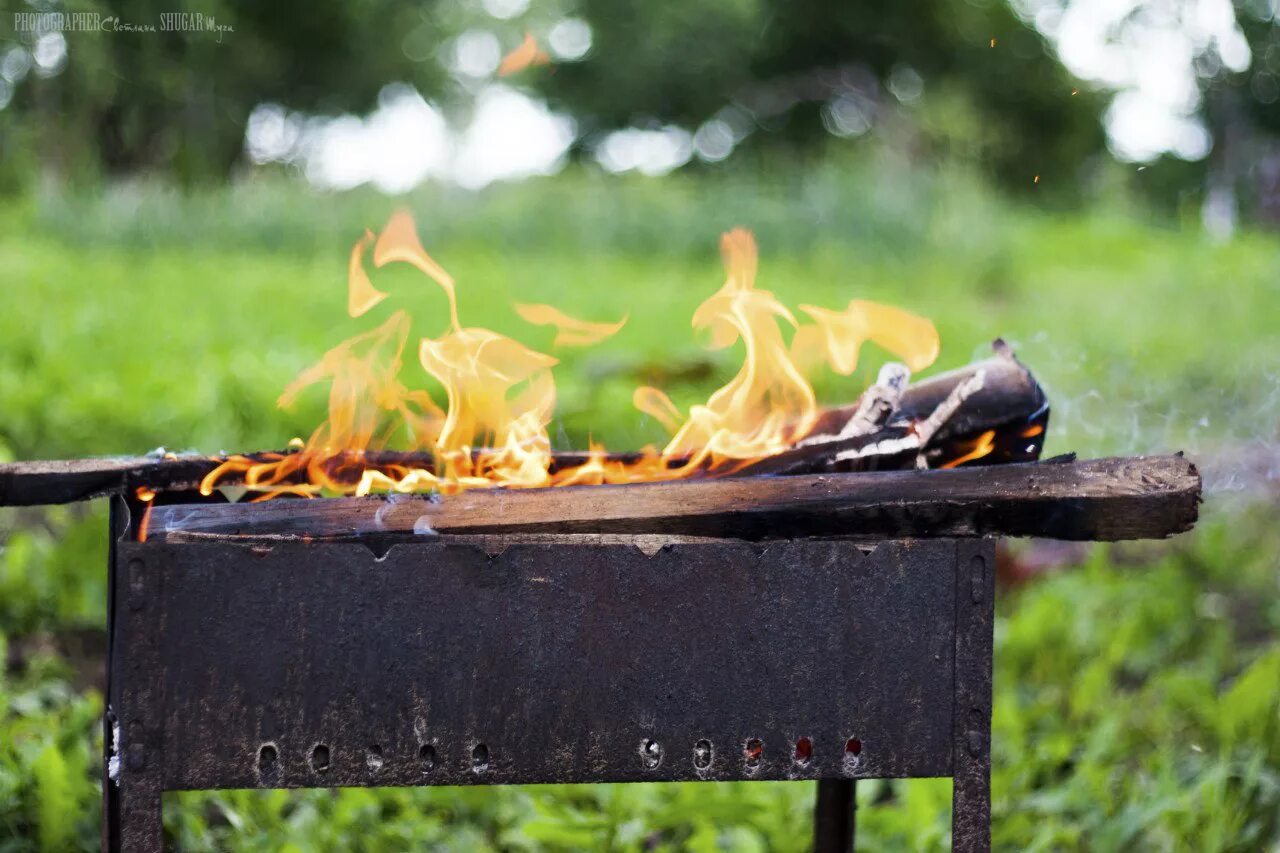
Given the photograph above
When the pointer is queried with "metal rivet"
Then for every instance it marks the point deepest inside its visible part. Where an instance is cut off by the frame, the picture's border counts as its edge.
(136, 757)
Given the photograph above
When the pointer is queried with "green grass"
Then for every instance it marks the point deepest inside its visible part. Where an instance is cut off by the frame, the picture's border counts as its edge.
(140, 318)
(1135, 696)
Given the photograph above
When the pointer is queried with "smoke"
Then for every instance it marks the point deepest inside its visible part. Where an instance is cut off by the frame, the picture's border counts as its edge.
(1223, 412)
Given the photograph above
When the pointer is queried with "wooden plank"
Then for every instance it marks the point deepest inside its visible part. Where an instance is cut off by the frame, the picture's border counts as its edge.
(65, 481)
(1101, 499)
(60, 481)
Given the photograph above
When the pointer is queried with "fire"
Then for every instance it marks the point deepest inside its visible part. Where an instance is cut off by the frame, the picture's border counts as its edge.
(569, 332)
(500, 395)
(145, 495)
(837, 336)
(526, 55)
(978, 448)
(768, 405)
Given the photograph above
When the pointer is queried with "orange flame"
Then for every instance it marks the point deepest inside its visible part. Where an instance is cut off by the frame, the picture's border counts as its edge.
(569, 332)
(980, 447)
(768, 405)
(500, 395)
(526, 55)
(361, 294)
(658, 406)
(837, 336)
(145, 494)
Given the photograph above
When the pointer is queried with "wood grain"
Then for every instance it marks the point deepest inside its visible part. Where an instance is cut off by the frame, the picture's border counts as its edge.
(1099, 499)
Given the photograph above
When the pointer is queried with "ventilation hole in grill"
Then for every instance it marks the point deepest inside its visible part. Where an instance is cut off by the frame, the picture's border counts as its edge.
(852, 749)
(268, 759)
(804, 751)
(480, 758)
(753, 752)
(320, 758)
(427, 757)
(702, 754)
(651, 753)
(373, 758)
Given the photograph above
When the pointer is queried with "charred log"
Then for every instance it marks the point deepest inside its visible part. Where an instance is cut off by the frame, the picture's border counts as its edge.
(1008, 403)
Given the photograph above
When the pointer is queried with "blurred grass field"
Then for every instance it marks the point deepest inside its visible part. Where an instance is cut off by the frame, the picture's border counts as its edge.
(1135, 696)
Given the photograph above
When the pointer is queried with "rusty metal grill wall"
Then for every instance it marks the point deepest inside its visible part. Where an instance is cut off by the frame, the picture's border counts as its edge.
(321, 665)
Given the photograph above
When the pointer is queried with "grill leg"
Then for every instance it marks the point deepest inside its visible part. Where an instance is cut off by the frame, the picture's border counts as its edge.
(971, 809)
(137, 824)
(971, 746)
(131, 819)
(835, 816)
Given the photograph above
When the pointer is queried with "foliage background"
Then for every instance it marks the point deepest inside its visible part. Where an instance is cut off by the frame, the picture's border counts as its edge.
(1135, 693)
(160, 290)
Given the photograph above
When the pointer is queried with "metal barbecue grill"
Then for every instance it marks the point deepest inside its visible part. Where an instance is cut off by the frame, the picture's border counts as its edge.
(797, 621)
(442, 662)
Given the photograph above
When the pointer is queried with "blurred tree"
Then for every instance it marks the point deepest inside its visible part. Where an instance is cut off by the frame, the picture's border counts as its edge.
(971, 78)
(136, 95)
(1243, 111)
(1228, 51)
(780, 63)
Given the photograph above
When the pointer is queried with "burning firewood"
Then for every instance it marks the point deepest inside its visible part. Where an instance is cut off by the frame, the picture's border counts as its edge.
(995, 405)
(1009, 404)
(856, 470)
(500, 398)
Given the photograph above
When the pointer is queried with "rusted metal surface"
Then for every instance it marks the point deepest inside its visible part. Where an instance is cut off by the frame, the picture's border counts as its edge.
(835, 815)
(561, 661)
(322, 665)
(134, 735)
(971, 761)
